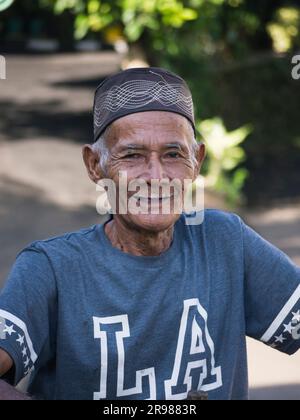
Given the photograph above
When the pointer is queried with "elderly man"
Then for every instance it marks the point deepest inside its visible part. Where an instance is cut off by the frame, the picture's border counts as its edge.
(146, 306)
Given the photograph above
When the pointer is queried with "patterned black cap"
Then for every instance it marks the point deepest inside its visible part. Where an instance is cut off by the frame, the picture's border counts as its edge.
(139, 90)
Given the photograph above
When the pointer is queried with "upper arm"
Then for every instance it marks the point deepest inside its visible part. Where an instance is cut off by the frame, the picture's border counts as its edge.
(27, 313)
(6, 363)
(272, 294)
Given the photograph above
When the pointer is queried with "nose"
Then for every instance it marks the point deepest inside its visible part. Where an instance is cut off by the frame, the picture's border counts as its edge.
(155, 169)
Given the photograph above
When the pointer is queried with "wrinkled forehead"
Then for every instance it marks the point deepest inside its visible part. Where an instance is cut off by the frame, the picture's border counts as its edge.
(158, 128)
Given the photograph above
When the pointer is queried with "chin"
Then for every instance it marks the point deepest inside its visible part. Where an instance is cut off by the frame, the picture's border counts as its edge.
(154, 222)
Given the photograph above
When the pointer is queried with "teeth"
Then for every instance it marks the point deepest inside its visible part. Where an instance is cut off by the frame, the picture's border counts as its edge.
(153, 198)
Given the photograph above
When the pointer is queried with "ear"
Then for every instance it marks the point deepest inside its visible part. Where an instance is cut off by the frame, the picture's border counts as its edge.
(91, 160)
(200, 156)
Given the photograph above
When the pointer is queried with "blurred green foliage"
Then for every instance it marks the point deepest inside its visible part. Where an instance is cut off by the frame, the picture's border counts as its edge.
(201, 27)
(135, 16)
(225, 156)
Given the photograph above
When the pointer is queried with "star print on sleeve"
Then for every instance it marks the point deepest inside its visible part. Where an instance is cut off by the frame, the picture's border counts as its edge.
(285, 329)
(14, 332)
(20, 339)
(296, 316)
(280, 339)
(9, 330)
(288, 328)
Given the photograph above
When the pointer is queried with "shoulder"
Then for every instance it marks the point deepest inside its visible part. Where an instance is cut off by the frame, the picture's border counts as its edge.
(224, 223)
(64, 245)
(211, 220)
(213, 227)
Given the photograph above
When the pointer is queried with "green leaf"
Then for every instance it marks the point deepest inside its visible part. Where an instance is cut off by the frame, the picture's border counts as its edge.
(134, 31)
(93, 6)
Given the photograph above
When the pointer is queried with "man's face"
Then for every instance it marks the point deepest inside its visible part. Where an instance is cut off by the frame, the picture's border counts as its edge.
(152, 146)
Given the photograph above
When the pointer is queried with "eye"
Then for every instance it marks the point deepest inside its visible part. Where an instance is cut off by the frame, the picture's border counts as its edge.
(133, 156)
(173, 155)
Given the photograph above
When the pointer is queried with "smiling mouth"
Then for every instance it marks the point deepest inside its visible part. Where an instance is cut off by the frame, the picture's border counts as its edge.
(154, 200)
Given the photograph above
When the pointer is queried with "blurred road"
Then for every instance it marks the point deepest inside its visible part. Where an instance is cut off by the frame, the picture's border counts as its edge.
(45, 118)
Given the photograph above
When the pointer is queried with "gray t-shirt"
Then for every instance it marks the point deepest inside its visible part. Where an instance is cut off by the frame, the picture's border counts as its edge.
(91, 322)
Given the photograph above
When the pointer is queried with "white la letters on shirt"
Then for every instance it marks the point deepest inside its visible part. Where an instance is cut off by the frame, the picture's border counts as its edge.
(208, 377)
(194, 359)
(120, 335)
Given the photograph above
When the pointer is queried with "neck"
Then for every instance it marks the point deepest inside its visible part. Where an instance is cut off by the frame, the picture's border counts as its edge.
(136, 241)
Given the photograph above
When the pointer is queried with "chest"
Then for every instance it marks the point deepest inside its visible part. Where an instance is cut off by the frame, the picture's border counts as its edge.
(151, 335)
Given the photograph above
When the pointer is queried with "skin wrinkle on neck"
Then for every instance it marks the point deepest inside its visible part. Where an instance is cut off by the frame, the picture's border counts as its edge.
(138, 243)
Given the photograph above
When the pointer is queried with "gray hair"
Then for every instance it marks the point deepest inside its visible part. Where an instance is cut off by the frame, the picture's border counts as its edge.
(100, 146)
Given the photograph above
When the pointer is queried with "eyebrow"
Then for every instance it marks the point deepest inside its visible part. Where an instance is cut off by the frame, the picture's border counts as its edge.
(133, 146)
(173, 146)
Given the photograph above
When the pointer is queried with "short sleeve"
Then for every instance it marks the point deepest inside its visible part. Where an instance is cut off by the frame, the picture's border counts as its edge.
(27, 311)
(272, 294)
